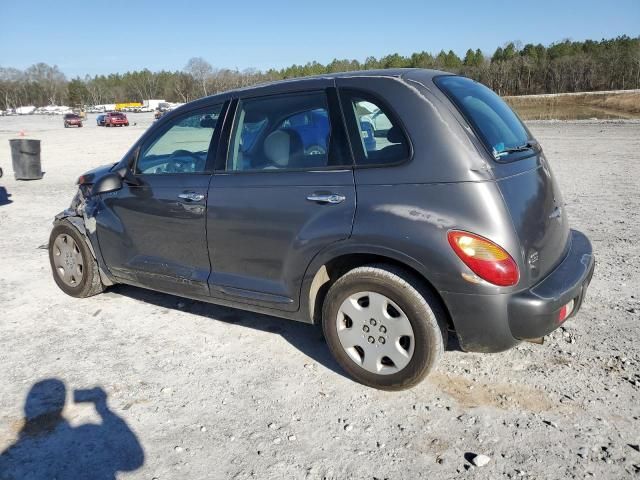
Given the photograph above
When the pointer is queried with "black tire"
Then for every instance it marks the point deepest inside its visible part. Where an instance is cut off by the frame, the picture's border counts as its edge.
(66, 125)
(90, 284)
(421, 306)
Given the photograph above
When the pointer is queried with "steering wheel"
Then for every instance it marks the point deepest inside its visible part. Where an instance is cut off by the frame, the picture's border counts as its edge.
(178, 165)
(315, 150)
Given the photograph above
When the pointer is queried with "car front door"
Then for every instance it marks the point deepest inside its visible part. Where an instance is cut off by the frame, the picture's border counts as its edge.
(283, 192)
(153, 231)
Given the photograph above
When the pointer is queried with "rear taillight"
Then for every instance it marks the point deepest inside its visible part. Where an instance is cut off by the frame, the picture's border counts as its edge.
(486, 259)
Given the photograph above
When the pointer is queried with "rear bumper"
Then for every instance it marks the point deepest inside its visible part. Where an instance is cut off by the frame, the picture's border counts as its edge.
(534, 313)
(492, 323)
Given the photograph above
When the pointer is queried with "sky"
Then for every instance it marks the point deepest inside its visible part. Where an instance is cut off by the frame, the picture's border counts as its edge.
(92, 37)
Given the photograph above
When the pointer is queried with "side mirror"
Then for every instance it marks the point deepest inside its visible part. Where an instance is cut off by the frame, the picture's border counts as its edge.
(128, 177)
(109, 183)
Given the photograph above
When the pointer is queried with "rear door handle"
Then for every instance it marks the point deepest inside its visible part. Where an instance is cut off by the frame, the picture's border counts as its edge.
(326, 198)
(191, 196)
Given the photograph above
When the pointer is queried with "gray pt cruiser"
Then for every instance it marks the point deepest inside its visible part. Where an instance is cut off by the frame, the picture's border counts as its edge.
(391, 206)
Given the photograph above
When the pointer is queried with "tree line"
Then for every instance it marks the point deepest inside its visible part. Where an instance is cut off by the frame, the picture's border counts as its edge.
(513, 69)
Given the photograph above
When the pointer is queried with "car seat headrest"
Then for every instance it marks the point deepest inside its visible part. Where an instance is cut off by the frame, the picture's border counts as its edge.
(394, 135)
(282, 146)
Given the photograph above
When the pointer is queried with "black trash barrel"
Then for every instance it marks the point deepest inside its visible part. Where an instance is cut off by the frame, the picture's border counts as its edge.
(25, 156)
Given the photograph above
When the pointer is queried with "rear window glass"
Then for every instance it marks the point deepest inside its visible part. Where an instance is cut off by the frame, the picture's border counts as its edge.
(496, 124)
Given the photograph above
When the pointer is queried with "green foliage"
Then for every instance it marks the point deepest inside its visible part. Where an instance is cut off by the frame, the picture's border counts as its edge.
(77, 93)
(473, 59)
(512, 70)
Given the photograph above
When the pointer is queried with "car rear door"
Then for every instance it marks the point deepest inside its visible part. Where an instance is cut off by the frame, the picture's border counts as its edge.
(153, 231)
(283, 191)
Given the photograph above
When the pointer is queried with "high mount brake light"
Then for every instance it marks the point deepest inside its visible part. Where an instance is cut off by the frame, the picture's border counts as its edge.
(486, 259)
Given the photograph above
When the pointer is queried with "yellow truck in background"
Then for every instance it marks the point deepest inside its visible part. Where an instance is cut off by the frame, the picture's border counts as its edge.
(126, 105)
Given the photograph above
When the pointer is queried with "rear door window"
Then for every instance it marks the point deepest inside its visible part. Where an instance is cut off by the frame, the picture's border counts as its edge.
(495, 123)
(283, 132)
(376, 135)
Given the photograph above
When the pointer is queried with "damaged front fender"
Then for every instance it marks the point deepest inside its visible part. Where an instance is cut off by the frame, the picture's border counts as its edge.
(81, 215)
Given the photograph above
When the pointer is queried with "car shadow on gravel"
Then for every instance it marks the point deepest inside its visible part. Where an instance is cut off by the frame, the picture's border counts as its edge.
(309, 339)
(48, 446)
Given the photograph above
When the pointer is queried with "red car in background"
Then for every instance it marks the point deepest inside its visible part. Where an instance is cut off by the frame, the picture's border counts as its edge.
(116, 119)
(72, 119)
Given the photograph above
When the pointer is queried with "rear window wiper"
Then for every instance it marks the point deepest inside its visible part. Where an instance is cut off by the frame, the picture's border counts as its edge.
(531, 145)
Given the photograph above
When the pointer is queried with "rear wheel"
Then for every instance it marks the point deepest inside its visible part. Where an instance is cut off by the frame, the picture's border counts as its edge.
(74, 269)
(384, 327)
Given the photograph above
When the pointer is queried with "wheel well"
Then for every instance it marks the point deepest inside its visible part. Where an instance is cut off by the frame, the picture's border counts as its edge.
(328, 273)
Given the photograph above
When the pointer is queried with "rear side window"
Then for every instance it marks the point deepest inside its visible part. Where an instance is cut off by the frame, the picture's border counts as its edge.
(377, 137)
(495, 123)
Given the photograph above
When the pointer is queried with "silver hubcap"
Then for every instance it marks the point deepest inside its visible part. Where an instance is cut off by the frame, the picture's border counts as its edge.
(68, 260)
(375, 333)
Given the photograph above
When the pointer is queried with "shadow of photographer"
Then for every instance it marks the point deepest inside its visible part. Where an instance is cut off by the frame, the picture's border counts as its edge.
(4, 197)
(49, 447)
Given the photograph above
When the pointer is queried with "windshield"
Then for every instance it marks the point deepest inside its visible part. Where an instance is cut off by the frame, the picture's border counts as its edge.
(499, 128)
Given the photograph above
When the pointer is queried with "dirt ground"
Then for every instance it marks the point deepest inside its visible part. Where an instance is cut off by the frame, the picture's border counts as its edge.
(619, 104)
(197, 391)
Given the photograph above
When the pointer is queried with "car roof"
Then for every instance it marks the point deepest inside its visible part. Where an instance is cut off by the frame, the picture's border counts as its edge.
(419, 74)
(389, 72)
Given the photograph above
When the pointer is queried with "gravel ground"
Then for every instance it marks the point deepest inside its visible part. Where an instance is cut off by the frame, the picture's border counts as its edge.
(199, 391)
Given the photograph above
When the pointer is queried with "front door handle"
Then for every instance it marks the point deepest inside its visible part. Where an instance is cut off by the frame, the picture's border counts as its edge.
(191, 196)
(326, 198)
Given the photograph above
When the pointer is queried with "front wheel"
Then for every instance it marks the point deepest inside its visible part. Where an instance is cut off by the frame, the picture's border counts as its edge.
(74, 269)
(384, 327)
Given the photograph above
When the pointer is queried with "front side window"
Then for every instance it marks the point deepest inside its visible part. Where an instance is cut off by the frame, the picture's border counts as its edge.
(182, 147)
(498, 127)
(283, 132)
(380, 139)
